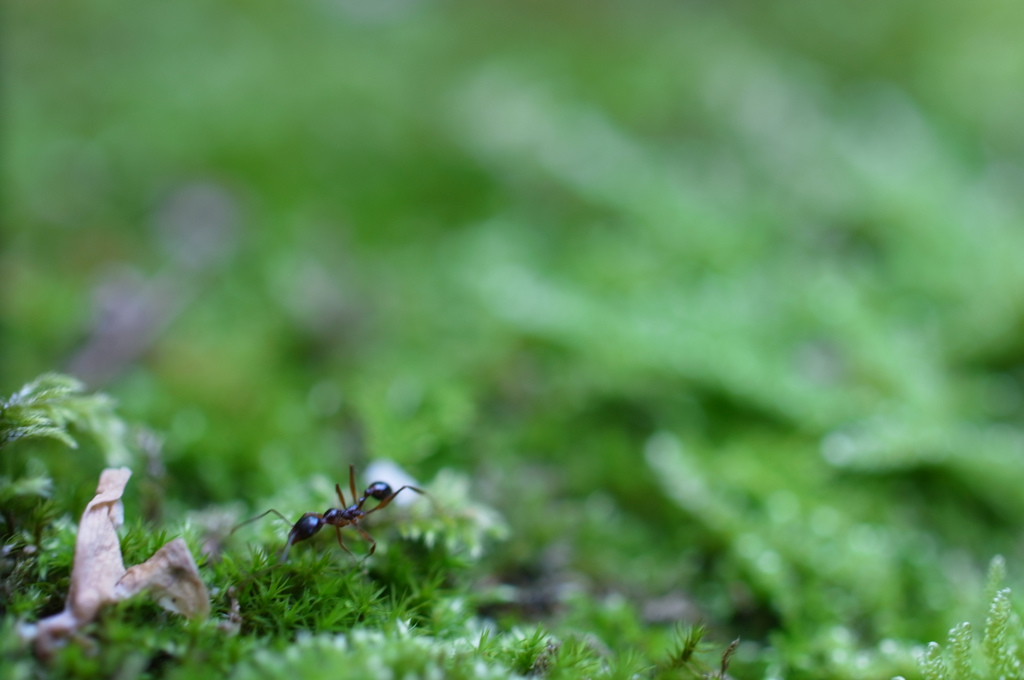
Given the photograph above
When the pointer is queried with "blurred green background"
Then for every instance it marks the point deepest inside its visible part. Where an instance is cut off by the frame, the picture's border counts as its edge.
(721, 304)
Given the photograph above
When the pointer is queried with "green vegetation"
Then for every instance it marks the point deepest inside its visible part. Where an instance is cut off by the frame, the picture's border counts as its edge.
(698, 321)
(1000, 649)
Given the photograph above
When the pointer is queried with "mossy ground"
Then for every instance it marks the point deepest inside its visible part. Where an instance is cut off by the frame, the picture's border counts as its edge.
(685, 312)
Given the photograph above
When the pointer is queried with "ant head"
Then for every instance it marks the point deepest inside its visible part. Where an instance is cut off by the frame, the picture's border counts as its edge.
(379, 490)
(308, 524)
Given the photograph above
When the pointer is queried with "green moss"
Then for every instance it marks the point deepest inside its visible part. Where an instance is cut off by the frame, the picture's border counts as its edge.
(999, 653)
(683, 314)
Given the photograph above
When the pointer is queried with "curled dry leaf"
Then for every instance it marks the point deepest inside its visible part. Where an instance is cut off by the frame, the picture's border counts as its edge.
(99, 578)
(170, 575)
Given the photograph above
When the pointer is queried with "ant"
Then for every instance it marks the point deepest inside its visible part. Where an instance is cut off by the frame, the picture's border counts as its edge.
(349, 515)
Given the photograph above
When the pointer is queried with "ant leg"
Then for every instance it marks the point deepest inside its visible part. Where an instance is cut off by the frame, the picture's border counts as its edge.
(341, 496)
(390, 498)
(367, 537)
(287, 547)
(261, 516)
(342, 543)
(352, 482)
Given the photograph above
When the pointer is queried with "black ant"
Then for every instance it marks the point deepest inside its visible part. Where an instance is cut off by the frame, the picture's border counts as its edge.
(349, 515)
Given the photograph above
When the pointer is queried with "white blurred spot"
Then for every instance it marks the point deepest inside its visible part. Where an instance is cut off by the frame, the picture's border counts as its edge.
(839, 448)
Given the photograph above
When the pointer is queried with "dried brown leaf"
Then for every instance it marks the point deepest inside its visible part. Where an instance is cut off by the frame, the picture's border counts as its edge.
(98, 565)
(99, 578)
(172, 578)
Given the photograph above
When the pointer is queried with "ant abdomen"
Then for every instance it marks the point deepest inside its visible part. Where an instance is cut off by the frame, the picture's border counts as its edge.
(307, 525)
